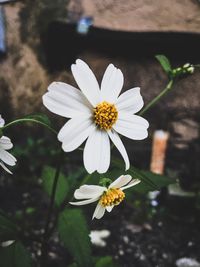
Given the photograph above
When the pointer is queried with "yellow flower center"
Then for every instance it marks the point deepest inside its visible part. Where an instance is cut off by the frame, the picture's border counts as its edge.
(112, 197)
(105, 115)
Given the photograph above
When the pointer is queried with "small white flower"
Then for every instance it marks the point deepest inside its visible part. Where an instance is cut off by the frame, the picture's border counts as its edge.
(107, 197)
(7, 243)
(98, 237)
(5, 156)
(97, 114)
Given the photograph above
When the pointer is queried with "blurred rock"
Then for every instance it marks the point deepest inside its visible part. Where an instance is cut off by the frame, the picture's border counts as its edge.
(176, 190)
(187, 262)
(145, 15)
(22, 78)
(185, 130)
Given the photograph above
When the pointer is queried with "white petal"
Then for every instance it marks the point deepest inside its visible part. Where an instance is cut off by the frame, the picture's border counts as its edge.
(96, 154)
(112, 84)
(2, 121)
(119, 145)
(132, 183)
(130, 101)
(99, 211)
(7, 243)
(120, 181)
(7, 157)
(86, 81)
(75, 132)
(89, 191)
(65, 100)
(5, 143)
(109, 208)
(84, 202)
(5, 168)
(131, 126)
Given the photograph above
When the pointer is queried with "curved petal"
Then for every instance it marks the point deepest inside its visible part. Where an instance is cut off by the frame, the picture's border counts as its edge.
(84, 202)
(5, 168)
(121, 181)
(132, 183)
(89, 191)
(99, 211)
(7, 157)
(131, 126)
(109, 208)
(75, 132)
(119, 145)
(130, 101)
(86, 81)
(5, 143)
(96, 154)
(65, 100)
(112, 84)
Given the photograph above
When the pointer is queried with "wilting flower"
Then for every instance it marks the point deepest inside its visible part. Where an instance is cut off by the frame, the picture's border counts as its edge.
(107, 197)
(97, 115)
(5, 156)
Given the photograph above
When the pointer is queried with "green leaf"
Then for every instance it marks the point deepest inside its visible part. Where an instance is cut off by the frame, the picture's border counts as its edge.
(15, 255)
(156, 179)
(164, 61)
(8, 230)
(62, 189)
(106, 261)
(74, 233)
(149, 181)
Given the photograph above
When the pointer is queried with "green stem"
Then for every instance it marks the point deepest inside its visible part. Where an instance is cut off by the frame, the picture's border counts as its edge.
(28, 120)
(157, 98)
(65, 204)
(85, 180)
(49, 217)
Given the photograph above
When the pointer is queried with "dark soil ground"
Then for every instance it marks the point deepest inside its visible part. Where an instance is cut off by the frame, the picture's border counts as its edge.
(158, 242)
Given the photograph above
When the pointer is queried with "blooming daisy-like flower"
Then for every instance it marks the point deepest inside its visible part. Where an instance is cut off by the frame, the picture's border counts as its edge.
(97, 114)
(5, 156)
(107, 197)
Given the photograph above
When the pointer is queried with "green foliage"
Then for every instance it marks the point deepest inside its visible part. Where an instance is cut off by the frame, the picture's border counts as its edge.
(74, 233)
(164, 62)
(14, 255)
(105, 262)
(62, 190)
(178, 72)
(73, 265)
(8, 230)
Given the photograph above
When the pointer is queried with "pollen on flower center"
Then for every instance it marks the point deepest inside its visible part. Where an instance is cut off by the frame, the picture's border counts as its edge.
(112, 197)
(105, 115)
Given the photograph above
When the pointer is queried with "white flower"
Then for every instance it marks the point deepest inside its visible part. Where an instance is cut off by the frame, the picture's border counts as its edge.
(97, 115)
(98, 237)
(5, 156)
(107, 197)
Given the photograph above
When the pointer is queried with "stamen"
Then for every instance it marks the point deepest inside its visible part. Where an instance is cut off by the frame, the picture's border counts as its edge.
(105, 115)
(112, 197)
